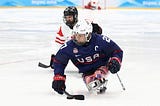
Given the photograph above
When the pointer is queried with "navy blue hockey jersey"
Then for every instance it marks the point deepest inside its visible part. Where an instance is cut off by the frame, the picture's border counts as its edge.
(89, 57)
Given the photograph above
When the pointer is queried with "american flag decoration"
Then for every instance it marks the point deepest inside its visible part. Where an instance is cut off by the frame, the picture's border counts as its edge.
(75, 50)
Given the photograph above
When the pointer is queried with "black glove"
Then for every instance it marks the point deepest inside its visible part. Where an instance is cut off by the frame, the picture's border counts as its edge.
(52, 61)
(96, 28)
(58, 83)
(114, 65)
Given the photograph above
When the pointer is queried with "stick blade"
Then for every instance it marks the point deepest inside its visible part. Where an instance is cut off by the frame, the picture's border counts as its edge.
(79, 97)
(43, 65)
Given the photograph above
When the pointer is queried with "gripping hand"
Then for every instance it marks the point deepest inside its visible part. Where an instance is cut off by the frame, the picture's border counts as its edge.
(58, 83)
(114, 65)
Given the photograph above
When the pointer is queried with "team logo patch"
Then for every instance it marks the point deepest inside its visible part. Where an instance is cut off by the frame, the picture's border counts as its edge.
(75, 50)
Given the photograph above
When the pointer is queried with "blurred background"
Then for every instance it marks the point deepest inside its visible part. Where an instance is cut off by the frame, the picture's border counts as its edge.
(82, 3)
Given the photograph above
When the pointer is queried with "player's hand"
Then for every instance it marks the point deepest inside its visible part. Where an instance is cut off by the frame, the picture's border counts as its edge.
(51, 61)
(58, 83)
(114, 65)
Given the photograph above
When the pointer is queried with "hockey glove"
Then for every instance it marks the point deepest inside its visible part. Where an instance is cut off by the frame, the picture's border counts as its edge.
(51, 61)
(114, 65)
(96, 28)
(58, 83)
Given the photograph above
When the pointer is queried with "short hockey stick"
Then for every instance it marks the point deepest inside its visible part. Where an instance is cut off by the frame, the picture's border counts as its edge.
(77, 97)
(43, 65)
(121, 82)
(46, 66)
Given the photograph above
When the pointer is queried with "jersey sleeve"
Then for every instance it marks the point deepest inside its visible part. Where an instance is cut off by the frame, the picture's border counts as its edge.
(113, 50)
(60, 39)
(62, 36)
(60, 61)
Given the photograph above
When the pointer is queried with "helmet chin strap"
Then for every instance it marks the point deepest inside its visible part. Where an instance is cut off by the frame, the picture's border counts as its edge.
(88, 37)
(79, 44)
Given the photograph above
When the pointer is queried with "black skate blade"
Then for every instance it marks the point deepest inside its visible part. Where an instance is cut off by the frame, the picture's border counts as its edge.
(101, 91)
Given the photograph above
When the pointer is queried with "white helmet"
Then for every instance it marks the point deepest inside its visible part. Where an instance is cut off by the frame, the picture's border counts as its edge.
(83, 27)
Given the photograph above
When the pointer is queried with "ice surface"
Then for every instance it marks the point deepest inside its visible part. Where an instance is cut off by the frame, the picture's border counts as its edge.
(26, 37)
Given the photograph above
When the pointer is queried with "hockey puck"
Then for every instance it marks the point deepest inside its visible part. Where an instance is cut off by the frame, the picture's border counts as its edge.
(77, 97)
(69, 97)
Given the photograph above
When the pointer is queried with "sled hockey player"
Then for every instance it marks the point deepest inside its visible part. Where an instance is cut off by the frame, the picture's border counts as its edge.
(70, 18)
(93, 5)
(93, 54)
